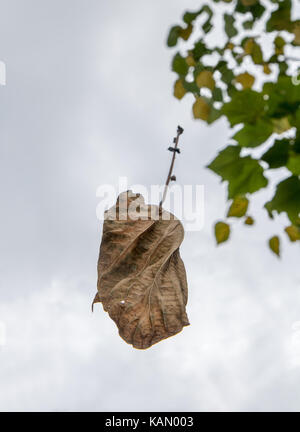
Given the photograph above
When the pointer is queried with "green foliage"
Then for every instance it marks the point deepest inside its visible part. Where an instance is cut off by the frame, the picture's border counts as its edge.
(244, 174)
(287, 199)
(260, 112)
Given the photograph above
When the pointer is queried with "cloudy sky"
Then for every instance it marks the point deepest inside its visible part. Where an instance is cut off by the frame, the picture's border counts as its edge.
(88, 99)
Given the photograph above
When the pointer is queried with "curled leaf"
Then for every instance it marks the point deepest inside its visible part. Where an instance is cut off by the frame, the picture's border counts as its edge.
(141, 277)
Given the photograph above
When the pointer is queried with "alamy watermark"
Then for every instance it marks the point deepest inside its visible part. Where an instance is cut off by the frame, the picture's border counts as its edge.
(139, 202)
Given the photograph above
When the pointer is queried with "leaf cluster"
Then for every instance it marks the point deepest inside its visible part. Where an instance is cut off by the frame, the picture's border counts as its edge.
(263, 113)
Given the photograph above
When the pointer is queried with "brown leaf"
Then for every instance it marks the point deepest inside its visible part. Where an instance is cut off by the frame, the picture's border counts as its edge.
(141, 277)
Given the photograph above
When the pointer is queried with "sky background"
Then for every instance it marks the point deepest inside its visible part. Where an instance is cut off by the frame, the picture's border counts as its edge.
(88, 99)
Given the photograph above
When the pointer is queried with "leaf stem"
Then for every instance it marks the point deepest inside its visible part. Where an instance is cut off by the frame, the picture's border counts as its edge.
(176, 141)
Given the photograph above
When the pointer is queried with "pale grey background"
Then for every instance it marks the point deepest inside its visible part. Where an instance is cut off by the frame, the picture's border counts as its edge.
(89, 98)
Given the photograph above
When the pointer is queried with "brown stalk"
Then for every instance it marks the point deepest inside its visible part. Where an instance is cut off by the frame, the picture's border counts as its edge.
(169, 178)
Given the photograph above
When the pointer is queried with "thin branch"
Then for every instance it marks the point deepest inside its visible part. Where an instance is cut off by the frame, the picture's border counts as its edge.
(174, 150)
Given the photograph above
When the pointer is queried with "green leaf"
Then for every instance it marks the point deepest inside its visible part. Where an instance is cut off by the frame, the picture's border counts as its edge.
(173, 36)
(293, 232)
(246, 106)
(257, 55)
(255, 8)
(248, 24)
(199, 50)
(222, 232)
(280, 19)
(238, 207)
(293, 163)
(189, 17)
(214, 114)
(217, 94)
(283, 67)
(207, 26)
(230, 29)
(283, 97)
(244, 175)
(286, 199)
(279, 43)
(226, 73)
(252, 135)
(277, 156)
(179, 65)
(274, 244)
(190, 87)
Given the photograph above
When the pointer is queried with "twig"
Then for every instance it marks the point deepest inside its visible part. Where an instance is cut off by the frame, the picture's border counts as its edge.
(170, 177)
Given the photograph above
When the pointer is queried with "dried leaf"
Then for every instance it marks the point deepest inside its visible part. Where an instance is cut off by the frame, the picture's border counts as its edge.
(141, 277)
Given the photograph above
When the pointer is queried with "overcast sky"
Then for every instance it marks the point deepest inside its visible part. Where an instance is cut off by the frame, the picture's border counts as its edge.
(88, 99)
